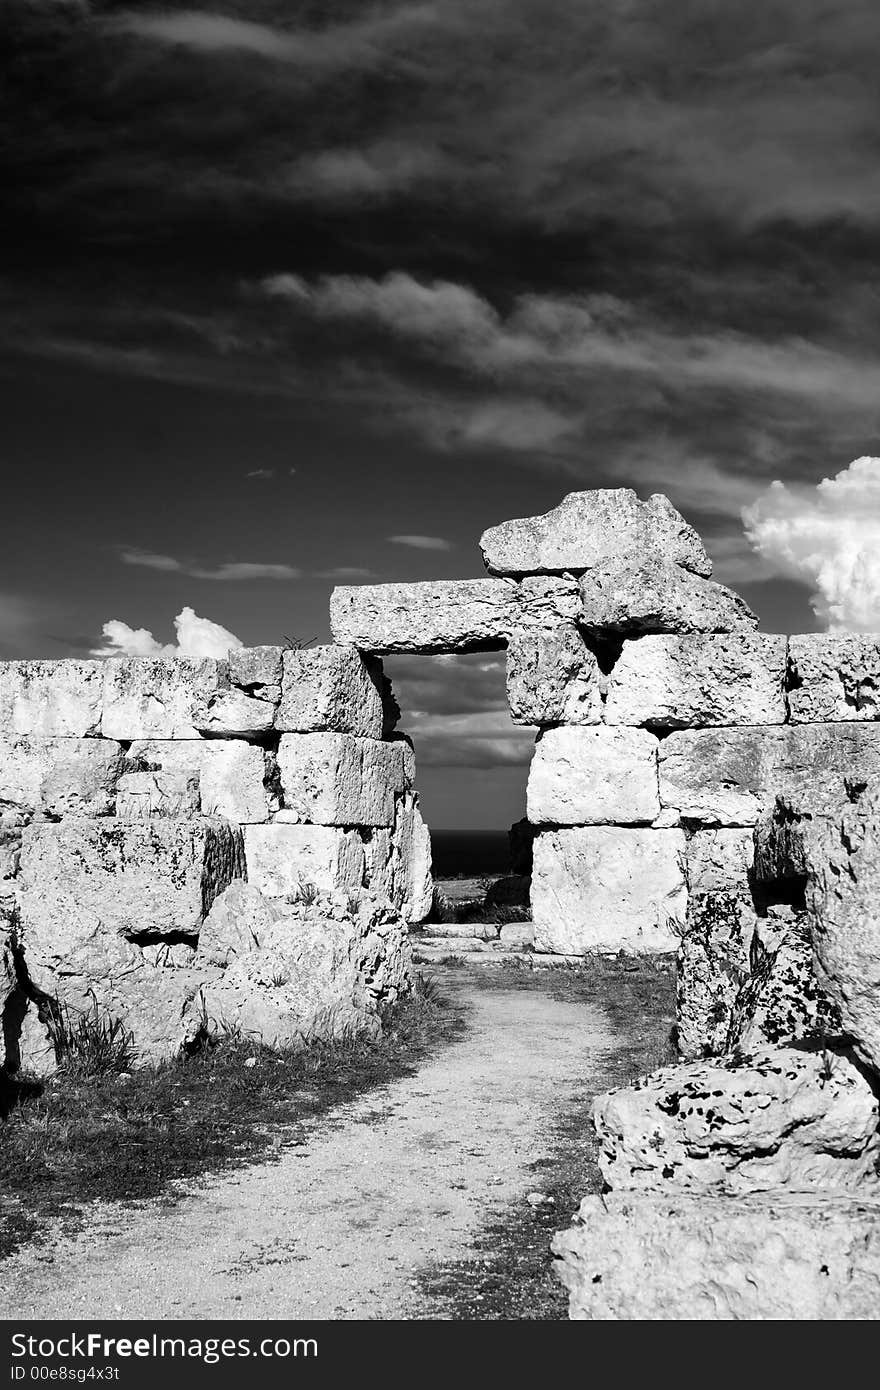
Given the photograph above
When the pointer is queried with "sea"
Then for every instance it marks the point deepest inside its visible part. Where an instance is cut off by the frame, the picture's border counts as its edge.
(470, 853)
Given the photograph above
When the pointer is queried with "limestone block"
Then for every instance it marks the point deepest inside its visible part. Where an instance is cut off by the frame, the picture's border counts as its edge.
(697, 680)
(337, 779)
(732, 776)
(782, 1000)
(145, 795)
(157, 697)
(257, 670)
(552, 678)
(411, 879)
(628, 595)
(82, 882)
(60, 776)
(834, 676)
(593, 776)
(783, 1117)
(448, 615)
(330, 689)
(232, 714)
(720, 860)
(51, 699)
(282, 857)
(589, 527)
(604, 888)
(232, 774)
(779, 1256)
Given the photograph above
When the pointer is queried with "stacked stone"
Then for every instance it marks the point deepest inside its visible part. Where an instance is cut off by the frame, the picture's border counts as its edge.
(133, 792)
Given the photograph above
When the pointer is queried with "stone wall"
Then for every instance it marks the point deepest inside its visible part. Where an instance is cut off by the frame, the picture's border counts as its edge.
(133, 793)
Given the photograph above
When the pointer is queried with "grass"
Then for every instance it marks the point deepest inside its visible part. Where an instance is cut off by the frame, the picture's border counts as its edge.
(105, 1135)
(509, 1276)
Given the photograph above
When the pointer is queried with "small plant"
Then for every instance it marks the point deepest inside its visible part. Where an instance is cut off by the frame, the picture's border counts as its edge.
(296, 644)
(92, 1043)
(305, 894)
(426, 989)
(279, 979)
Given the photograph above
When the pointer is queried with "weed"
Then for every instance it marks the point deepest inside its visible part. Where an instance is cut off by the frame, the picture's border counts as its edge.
(89, 1044)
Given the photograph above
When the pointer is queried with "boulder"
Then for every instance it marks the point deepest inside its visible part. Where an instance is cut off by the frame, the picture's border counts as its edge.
(330, 967)
(552, 678)
(158, 697)
(145, 795)
(337, 779)
(782, 1117)
(732, 776)
(282, 857)
(233, 714)
(51, 699)
(652, 594)
(699, 680)
(593, 776)
(60, 777)
(834, 676)
(608, 888)
(234, 776)
(589, 527)
(777, 1256)
(330, 689)
(82, 883)
(448, 615)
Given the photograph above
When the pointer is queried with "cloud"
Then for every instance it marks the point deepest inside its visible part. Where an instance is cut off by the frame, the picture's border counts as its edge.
(260, 473)
(827, 536)
(422, 542)
(230, 571)
(196, 637)
(370, 174)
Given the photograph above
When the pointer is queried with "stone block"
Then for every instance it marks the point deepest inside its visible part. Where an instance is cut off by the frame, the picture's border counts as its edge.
(233, 714)
(158, 697)
(778, 1256)
(834, 677)
(330, 689)
(719, 861)
(629, 595)
(145, 795)
(732, 776)
(51, 699)
(283, 856)
(608, 888)
(60, 777)
(589, 527)
(593, 776)
(411, 879)
(257, 670)
(699, 680)
(783, 1117)
(232, 774)
(337, 779)
(552, 678)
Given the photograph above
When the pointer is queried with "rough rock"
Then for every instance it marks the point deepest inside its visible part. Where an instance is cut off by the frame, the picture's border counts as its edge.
(233, 775)
(12, 1004)
(258, 671)
(337, 779)
(35, 1046)
(158, 697)
(782, 1000)
(589, 527)
(732, 776)
(593, 776)
(698, 680)
(780, 1118)
(83, 882)
(552, 678)
(330, 689)
(282, 857)
(628, 595)
(604, 888)
(145, 795)
(60, 776)
(411, 880)
(778, 1256)
(448, 615)
(332, 967)
(720, 860)
(51, 699)
(834, 676)
(232, 714)
(713, 967)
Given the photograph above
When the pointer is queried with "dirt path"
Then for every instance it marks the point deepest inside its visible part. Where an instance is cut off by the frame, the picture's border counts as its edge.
(340, 1228)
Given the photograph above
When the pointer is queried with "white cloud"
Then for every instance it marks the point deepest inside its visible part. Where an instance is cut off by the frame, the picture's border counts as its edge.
(260, 473)
(829, 537)
(416, 542)
(229, 571)
(196, 637)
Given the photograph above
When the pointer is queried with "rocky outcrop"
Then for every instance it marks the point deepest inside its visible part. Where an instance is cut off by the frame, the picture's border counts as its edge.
(589, 527)
(777, 1255)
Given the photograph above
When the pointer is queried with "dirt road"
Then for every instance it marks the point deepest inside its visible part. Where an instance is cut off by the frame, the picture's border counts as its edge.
(341, 1227)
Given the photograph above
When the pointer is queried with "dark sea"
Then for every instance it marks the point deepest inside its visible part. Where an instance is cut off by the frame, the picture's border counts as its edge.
(470, 853)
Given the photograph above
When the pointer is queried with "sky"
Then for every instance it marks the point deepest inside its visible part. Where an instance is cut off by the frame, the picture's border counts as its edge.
(301, 292)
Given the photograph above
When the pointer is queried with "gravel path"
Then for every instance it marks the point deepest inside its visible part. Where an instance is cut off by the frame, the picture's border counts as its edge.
(340, 1227)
